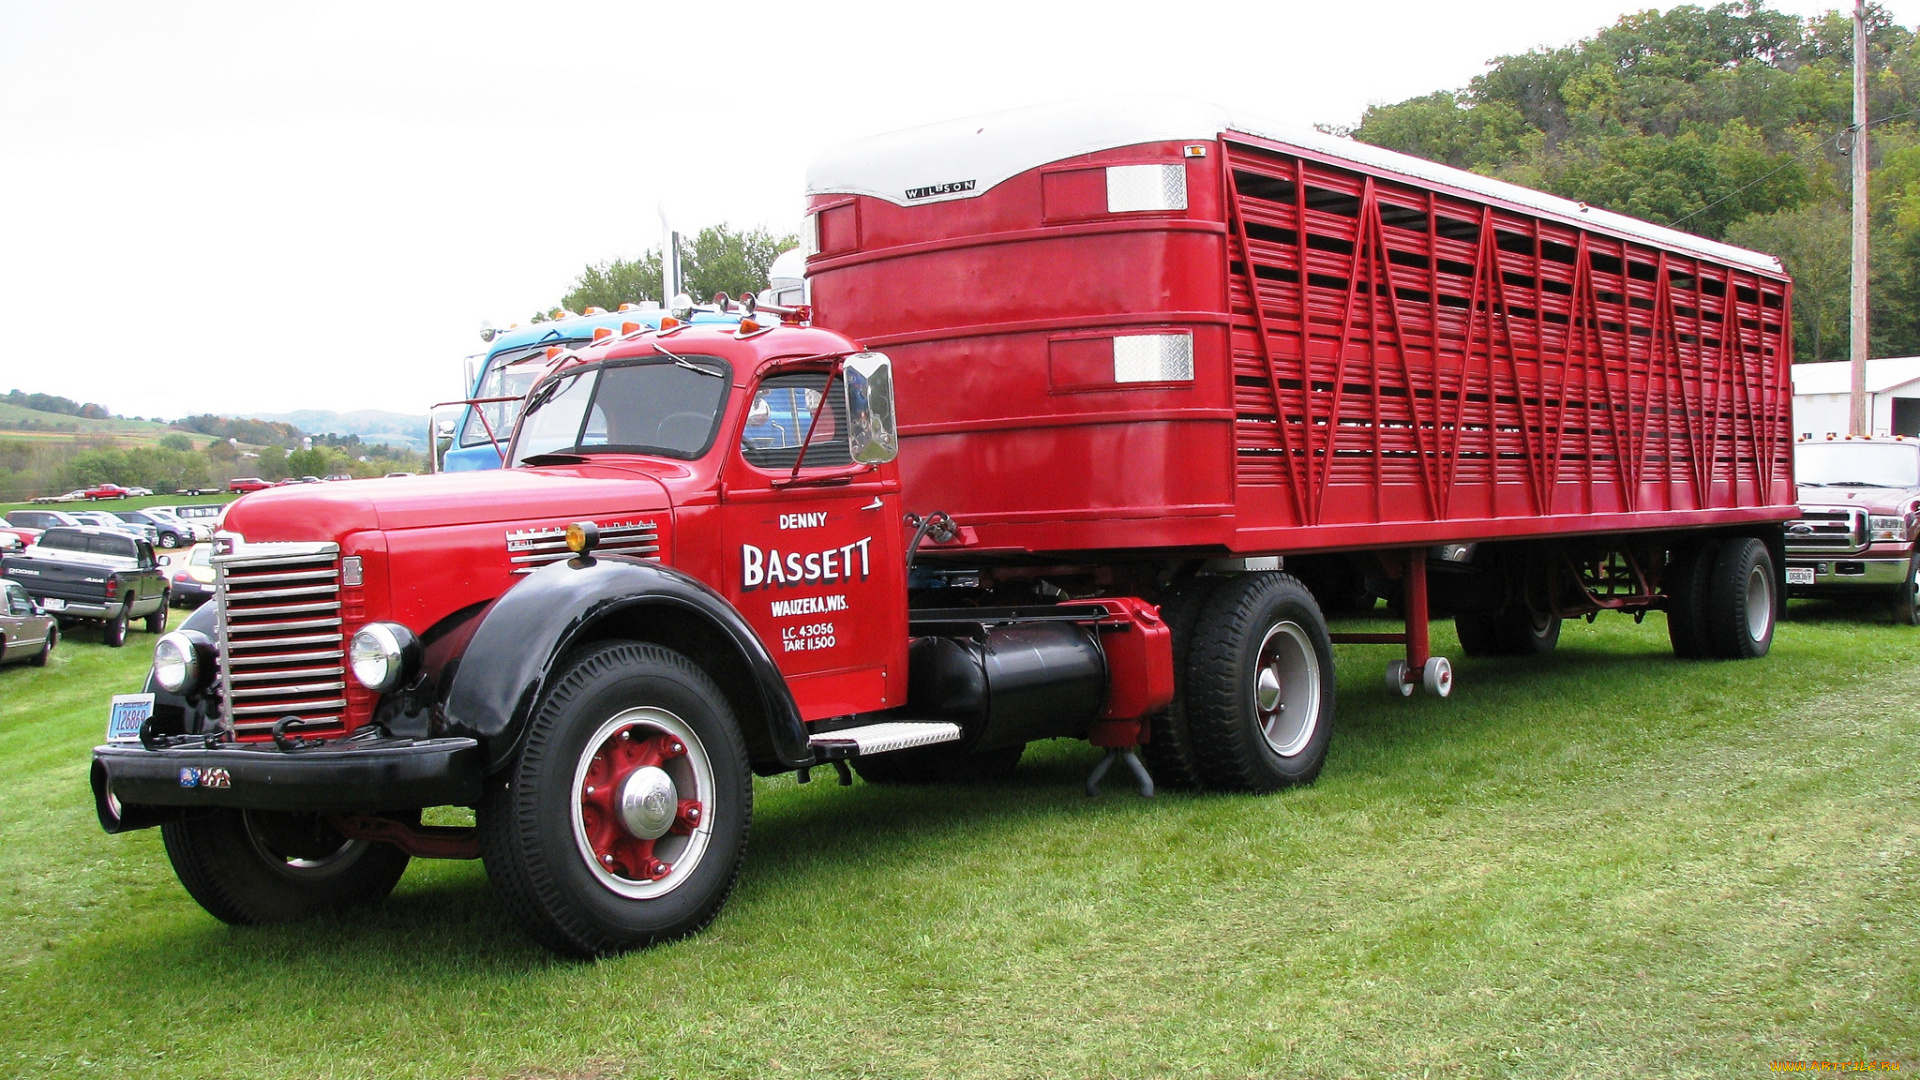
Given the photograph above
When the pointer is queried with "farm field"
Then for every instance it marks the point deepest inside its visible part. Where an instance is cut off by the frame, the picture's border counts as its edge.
(113, 505)
(1605, 862)
(18, 422)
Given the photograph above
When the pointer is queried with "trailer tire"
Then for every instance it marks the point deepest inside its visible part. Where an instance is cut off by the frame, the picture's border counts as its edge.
(249, 867)
(1260, 685)
(564, 832)
(1168, 752)
(1688, 586)
(1741, 601)
(928, 766)
(1515, 630)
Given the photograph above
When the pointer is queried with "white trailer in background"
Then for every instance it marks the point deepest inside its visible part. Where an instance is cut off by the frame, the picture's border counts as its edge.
(1820, 397)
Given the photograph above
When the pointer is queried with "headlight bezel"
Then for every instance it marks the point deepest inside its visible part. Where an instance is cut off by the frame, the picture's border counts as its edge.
(186, 668)
(389, 645)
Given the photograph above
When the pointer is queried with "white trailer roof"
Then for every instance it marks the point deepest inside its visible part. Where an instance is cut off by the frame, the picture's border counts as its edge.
(1837, 377)
(982, 151)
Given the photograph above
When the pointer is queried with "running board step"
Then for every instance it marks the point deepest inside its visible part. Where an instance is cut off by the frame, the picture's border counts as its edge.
(880, 739)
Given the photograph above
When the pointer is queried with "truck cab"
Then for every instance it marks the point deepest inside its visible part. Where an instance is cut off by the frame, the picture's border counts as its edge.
(1859, 522)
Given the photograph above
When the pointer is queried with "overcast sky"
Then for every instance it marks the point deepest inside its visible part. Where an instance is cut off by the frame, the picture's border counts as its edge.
(261, 207)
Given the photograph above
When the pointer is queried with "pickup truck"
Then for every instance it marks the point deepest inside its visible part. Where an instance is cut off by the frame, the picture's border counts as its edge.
(1858, 533)
(93, 575)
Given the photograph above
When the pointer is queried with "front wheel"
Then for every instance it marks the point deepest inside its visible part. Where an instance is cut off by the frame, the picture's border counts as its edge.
(248, 867)
(624, 820)
(169, 540)
(1259, 693)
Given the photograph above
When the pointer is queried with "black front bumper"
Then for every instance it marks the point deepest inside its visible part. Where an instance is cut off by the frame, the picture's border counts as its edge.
(134, 787)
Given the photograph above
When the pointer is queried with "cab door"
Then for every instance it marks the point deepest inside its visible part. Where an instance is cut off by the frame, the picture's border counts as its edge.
(814, 556)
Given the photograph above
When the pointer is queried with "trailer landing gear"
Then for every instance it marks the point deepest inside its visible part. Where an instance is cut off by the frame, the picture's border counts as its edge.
(1421, 667)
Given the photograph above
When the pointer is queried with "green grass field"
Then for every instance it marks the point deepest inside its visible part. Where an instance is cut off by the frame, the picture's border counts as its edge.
(1606, 863)
(115, 505)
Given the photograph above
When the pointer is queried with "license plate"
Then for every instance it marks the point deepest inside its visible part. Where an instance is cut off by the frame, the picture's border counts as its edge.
(54, 604)
(125, 716)
(1799, 575)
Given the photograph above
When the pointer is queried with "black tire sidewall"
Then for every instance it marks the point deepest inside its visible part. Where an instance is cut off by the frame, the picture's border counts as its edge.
(1727, 636)
(1231, 748)
(565, 905)
(114, 634)
(215, 857)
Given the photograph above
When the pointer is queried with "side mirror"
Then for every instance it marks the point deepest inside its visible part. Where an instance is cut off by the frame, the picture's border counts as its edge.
(872, 436)
(166, 560)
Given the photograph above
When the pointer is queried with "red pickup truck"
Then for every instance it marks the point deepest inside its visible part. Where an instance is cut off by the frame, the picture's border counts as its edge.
(245, 484)
(106, 491)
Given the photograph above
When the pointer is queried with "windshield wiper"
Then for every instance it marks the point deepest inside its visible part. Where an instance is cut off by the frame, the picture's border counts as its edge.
(684, 362)
(554, 458)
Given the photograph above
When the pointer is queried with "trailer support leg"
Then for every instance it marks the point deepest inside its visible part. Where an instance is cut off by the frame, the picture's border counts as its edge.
(1138, 768)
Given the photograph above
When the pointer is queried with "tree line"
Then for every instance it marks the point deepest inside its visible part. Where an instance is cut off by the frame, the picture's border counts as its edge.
(1729, 121)
(35, 467)
(718, 259)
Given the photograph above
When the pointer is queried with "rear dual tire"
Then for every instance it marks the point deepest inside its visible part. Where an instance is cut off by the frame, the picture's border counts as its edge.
(1721, 601)
(1512, 631)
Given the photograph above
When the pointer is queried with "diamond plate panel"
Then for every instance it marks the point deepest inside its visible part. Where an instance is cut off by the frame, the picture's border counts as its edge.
(1153, 358)
(1132, 188)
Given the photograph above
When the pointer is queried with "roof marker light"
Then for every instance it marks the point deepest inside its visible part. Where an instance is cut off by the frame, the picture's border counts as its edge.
(629, 328)
(601, 333)
(625, 306)
(553, 351)
(669, 322)
(594, 311)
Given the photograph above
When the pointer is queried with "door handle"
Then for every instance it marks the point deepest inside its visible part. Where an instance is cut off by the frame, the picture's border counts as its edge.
(876, 504)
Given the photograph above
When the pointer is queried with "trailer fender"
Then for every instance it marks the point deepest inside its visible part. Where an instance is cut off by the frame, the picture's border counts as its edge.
(517, 649)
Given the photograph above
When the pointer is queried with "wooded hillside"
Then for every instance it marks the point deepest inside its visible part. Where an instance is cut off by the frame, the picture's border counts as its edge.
(1731, 122)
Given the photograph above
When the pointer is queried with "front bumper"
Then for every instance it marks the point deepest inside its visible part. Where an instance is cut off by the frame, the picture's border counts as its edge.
(1833, 575)
(359, 775)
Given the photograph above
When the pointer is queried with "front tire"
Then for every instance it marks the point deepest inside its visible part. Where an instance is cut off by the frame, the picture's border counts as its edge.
(1259, 698)
(624, 820)
(249, 867)
(169, 540)
(1907, 600)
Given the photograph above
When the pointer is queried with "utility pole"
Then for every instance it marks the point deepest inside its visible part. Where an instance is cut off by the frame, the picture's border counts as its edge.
(1858, 422)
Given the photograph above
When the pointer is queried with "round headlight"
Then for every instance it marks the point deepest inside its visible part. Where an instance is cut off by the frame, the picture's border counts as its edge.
(380, 655)
(176, 666)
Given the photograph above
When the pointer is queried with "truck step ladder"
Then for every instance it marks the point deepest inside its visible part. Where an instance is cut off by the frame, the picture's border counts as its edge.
(838, 746)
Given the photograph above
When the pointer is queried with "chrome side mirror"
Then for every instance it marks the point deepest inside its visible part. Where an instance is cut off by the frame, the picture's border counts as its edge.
(872, 436)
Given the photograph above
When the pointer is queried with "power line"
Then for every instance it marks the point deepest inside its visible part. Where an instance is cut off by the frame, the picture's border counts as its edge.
(1791, 161)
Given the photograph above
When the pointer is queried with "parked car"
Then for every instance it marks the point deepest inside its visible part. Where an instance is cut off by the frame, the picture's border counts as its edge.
(1858, 533)
(26, 631)
(170, 531)
(106, 520)
(93, 575)
(191, 575)
(76, 495)
(107, 491)
(12, 540)
(244, 484)
(338, 476)
(138, 492)
(40, 519)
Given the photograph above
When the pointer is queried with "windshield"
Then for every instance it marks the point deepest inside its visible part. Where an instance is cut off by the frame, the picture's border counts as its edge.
(646, 406)
(504, 379)
(1857, 464)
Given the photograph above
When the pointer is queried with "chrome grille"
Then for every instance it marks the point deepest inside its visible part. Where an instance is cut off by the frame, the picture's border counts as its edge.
(531, 549)
(1840, 531)
(282, 646)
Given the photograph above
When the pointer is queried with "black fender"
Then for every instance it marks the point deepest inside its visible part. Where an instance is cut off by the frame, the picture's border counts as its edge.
(516, 651)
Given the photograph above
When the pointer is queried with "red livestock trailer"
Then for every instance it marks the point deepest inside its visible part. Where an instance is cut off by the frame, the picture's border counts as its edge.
(1148, 334)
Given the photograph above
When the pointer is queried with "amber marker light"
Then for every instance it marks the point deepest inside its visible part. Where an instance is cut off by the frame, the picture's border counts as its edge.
(583, 537)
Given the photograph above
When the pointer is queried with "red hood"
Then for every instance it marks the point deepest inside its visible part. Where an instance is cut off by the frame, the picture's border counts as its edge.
(333, 510)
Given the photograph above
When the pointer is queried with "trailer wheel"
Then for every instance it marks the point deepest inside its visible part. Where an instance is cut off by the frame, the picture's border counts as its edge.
(929, 766)
(624, 820)
(1259, 699)
(248, 867)
(1514, 630)
(1687, 587)
(1169, 752)
(1740, 601)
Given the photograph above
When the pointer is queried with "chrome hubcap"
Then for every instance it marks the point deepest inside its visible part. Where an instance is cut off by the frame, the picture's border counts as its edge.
(1286, 689)
(648, 802)
(1759, 604)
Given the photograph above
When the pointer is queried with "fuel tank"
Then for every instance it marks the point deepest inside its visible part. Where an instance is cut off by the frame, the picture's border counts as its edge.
(1008, 683)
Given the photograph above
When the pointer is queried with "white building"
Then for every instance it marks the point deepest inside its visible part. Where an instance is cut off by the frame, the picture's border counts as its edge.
(1822, 397)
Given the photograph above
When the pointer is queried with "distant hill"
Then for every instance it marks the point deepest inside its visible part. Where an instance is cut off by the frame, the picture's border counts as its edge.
(372, 425)
(18, 420)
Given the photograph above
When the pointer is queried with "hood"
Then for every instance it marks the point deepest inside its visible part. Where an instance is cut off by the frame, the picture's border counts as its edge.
(1874, 500)
(334, 510)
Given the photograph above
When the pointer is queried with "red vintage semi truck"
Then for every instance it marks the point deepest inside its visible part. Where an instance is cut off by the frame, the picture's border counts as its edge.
(1155, 364)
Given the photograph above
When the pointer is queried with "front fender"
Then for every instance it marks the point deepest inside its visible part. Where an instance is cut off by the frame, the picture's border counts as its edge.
(516, 652)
